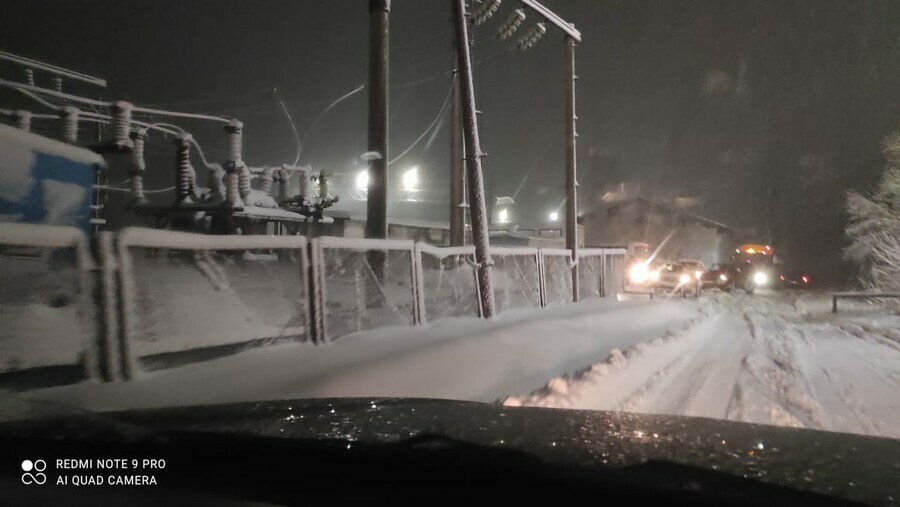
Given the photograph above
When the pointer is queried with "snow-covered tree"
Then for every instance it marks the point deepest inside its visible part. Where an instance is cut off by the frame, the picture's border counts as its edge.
(874, 225)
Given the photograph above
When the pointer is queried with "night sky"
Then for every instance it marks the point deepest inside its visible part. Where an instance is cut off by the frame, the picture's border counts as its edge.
(768, 110)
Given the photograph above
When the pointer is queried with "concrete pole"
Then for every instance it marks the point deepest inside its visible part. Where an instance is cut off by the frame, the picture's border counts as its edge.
(478, 211)
(571, 181)
(376, 203)
(457, 171)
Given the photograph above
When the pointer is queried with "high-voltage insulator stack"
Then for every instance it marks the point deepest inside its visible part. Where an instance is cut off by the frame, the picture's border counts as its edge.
(186, 177)
(233, 166)
(22, 120)
(121, 125)
(138, 166)
(485, 11)
(532, 37)
(512, 23)
(69, 116)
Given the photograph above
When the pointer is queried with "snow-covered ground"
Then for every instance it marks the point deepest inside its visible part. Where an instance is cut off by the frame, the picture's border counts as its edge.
(456, 358)
(776, 358)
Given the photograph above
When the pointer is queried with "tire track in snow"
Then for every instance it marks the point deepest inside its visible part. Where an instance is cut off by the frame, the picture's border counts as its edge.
(752, 360)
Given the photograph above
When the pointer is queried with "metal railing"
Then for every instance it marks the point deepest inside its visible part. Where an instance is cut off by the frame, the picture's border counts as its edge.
(164, 298)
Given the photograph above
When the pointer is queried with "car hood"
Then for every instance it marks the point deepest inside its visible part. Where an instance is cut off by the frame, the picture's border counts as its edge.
(848, 466)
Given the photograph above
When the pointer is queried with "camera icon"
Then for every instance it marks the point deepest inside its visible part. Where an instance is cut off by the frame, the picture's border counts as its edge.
(33, 472)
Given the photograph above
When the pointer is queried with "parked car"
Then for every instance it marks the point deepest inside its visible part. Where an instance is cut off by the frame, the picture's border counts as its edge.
(719, 276)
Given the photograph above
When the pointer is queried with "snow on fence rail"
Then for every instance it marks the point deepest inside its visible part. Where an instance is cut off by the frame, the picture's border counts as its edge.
(167, 297)
(45, 299)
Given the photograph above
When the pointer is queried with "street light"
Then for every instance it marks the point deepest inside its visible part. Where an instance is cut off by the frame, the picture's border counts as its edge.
(554, 216)
(362, 180)
(411, 179)
(503, 216)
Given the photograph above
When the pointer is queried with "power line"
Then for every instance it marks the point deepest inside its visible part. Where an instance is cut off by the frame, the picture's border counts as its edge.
(430, 126)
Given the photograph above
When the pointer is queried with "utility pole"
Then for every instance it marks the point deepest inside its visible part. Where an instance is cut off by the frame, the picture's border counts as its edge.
(457, 171)
(376, 203)
(376, 200)
(477, 207)
(571, 181)
(572, 36)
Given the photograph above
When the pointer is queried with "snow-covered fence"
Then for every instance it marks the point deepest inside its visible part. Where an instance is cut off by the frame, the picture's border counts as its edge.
(517, 277)
(201, 293)
(556, 275)
(601, 272)
(45, 299)
(447, 280)
(163, 298)
(366, 284)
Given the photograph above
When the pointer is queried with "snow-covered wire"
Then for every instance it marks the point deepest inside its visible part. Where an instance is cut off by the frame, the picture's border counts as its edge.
(322, 114)
(290, 120)
(118, 189)
(178, 114)
(427, 130)
(38, 99)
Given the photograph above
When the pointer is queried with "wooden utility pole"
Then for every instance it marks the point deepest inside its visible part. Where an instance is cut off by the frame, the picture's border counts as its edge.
(477, 207)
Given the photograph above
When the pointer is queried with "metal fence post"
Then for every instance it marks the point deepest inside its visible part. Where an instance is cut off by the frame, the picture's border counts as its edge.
(106, 296)
(417, 283)
(316, 292)
(542, 281)
(126, 307)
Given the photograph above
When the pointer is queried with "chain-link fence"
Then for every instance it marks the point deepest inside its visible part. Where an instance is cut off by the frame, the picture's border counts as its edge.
(189, 295)
(366, 284)
(448, 282)
(166, 298)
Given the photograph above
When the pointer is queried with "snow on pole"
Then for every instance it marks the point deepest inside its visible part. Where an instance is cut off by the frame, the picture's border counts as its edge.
(22, 120)
(186, 177)
(138, 166)
(69, 116)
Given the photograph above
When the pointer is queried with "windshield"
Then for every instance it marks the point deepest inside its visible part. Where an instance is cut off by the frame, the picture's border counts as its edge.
(219, 203)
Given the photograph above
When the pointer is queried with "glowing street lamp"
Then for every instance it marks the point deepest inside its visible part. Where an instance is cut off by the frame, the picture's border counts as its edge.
(503, 216)
(411, 180)
(554, 216)
(362, 180)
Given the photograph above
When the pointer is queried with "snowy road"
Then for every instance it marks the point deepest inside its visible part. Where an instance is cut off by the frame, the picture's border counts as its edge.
(775, 359)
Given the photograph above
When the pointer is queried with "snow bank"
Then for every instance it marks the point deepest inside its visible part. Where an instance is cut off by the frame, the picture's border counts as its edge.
(463, 358)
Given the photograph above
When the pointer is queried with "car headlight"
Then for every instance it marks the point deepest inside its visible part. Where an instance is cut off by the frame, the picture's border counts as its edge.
(684, 278)
(760, 278)
(654, 276)
(698, 274)
(723, 277)
(639, 273)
